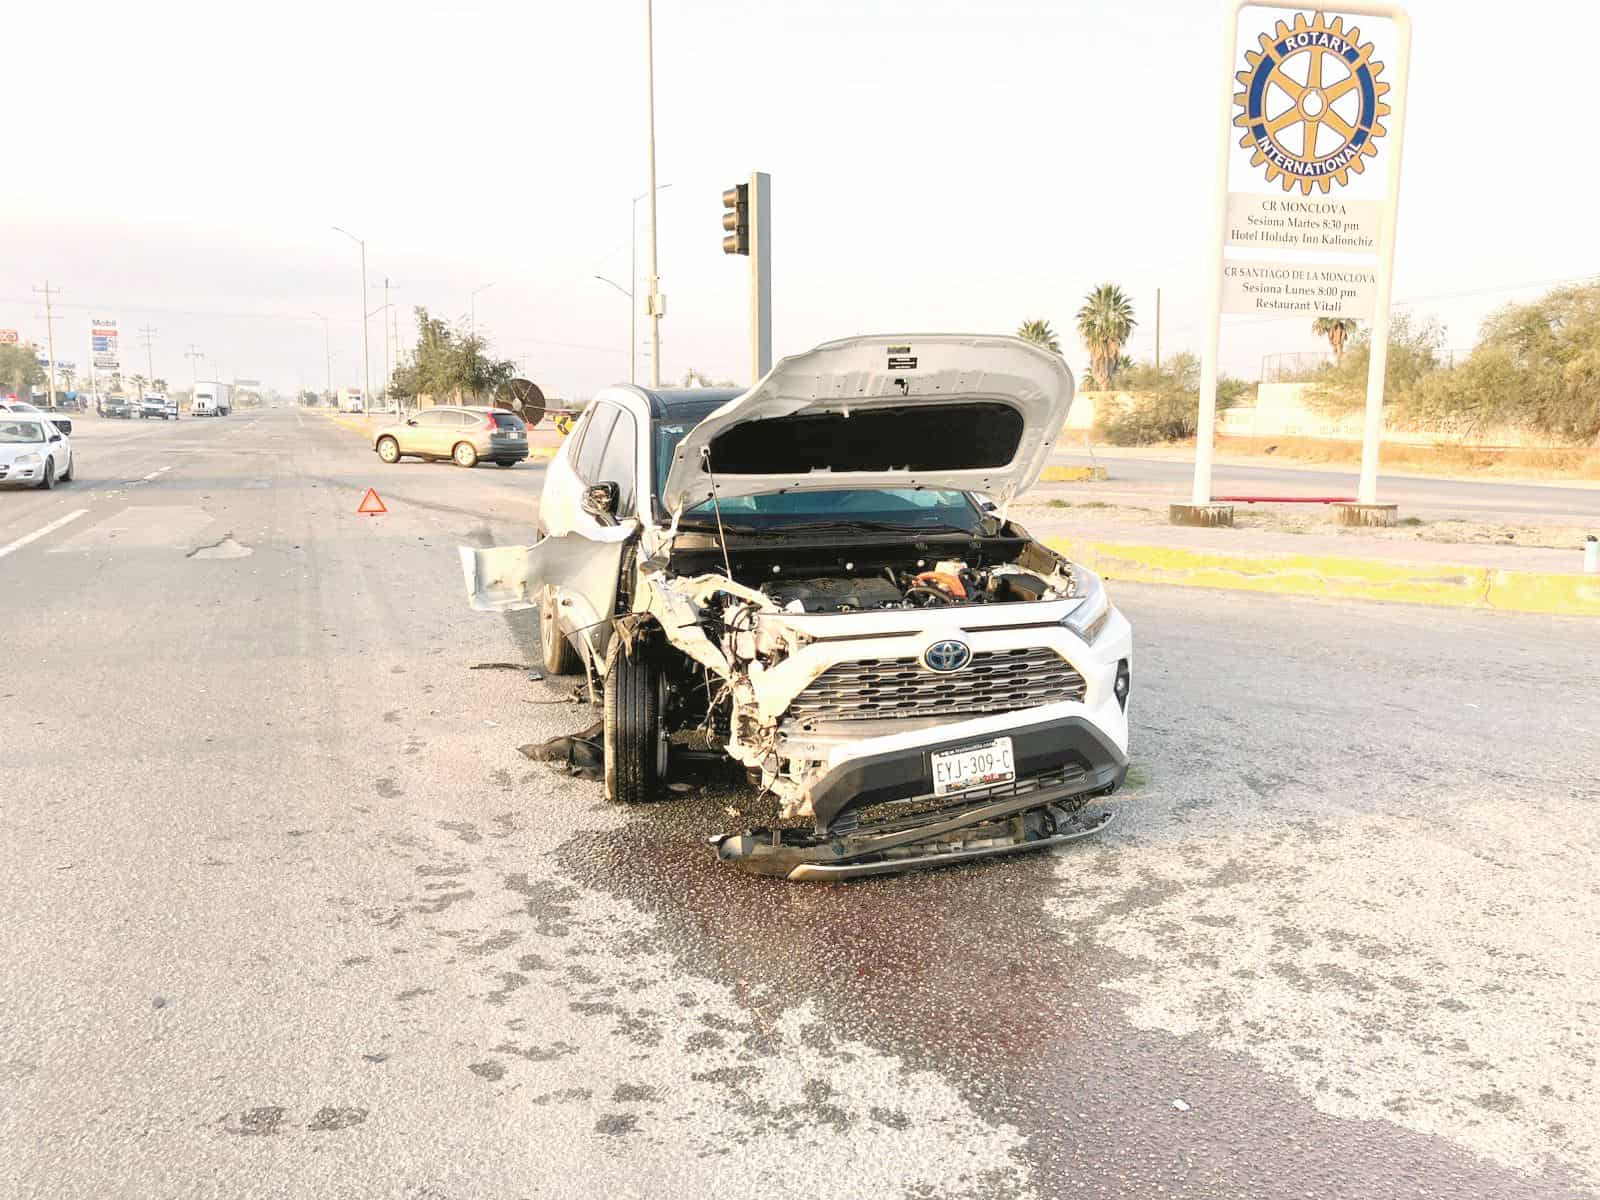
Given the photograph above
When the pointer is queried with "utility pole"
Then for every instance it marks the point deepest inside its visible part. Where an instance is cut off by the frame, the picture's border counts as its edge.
(194, 356)
(149, 335)
(1158, 329)
(366, 357)
(657, 301)
(327, 349)
(50, 337)
(385, 340)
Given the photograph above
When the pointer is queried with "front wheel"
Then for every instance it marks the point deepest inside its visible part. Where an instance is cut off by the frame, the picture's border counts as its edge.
(389, 450)
(49, 479)
(635, 737)
(465, 455)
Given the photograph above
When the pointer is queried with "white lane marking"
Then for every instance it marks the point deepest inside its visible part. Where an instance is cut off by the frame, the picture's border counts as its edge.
(39, 533)
(153, 474)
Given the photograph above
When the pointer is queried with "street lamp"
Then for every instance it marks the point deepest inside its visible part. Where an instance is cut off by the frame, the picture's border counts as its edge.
(366, 364)
(633, 282)
(655, 278)
(472, 316)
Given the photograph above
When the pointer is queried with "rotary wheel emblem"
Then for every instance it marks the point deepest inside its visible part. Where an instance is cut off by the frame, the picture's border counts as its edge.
(1312, 103)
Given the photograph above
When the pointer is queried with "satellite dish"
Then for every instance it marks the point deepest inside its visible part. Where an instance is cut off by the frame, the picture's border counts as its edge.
(526, 400)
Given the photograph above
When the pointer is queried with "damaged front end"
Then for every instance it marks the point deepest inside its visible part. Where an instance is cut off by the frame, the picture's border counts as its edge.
(816, 681)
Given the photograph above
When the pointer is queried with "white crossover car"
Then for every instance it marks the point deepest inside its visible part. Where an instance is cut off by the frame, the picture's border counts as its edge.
(33, 450)
(819, 578)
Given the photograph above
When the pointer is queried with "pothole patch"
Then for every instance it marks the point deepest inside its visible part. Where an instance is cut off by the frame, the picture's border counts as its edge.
(225, 548)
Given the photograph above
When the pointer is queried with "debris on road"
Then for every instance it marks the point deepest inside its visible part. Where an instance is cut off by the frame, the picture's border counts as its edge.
(581, 753)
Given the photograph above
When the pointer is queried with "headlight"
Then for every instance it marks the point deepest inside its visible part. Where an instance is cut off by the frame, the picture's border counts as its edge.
(1094, 607)
(27, 460)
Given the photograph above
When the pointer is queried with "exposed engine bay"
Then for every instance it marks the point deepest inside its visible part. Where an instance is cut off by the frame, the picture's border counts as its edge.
(924, 585)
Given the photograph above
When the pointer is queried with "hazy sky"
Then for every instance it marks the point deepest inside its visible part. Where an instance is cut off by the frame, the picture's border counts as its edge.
(936, 166)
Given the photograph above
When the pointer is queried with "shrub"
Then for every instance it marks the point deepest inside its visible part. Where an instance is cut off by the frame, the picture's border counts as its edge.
(1164, 403)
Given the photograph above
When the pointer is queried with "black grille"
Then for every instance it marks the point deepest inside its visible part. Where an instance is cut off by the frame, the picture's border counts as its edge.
(998, 681)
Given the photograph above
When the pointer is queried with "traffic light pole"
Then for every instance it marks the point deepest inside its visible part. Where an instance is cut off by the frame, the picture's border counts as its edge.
(760, 274)
(747, 220)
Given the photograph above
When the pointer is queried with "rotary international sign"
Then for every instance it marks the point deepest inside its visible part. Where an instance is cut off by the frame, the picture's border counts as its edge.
(1312, 104)
(1310, 124)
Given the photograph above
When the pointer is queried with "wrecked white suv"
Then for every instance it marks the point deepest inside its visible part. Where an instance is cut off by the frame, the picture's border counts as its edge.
(819, 578)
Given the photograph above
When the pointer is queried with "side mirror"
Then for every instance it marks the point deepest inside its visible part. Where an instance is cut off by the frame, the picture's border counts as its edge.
(411, 420)
(55, 437)
(600, 502)
(990, 506)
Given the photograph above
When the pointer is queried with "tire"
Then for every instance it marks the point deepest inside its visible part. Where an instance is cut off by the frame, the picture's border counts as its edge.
(49, 480)
(389, 450)
(507, 464)
(635, 744)
(66, 476)
(559, 656)
(465, 454)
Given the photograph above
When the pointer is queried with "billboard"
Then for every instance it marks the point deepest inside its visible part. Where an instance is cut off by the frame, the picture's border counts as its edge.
(103, 345)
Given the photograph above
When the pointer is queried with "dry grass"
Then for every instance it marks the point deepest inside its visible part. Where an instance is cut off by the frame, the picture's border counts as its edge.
(1442, 458)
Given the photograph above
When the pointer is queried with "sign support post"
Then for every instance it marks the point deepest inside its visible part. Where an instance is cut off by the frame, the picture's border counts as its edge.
(1201, 510)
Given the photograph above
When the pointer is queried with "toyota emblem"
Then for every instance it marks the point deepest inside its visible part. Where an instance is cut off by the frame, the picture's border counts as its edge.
(945, 657)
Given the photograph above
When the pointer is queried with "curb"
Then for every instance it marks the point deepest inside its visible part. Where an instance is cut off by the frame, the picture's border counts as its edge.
(1341, 578)
(348, 424)
(1073, 475)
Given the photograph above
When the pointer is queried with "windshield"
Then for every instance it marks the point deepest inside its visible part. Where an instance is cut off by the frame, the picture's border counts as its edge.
(21, 431)
(894, 508)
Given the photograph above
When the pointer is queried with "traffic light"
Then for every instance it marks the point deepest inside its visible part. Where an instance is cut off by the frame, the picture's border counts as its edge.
(736, 220)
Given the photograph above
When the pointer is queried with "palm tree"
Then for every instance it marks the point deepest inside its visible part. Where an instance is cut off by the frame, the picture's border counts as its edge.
(1104, 323)
(1336, 330)
(1040, 334)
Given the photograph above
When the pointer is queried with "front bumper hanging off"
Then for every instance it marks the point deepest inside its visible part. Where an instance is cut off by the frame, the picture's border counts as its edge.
(1060, 767)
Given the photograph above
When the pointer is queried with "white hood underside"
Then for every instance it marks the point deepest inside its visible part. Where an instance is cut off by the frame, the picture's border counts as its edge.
(929, 372)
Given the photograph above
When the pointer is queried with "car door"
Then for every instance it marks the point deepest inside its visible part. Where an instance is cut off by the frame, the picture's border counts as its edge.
(451, 430)
(619, 464)
(427, 434)
(560, 510)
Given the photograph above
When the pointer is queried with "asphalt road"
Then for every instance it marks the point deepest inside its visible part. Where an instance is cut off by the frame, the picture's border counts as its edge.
(287, 915)
(1168, 480)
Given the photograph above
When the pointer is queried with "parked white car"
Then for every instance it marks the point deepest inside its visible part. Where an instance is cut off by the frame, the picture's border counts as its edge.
(33, 451)
(812, 576)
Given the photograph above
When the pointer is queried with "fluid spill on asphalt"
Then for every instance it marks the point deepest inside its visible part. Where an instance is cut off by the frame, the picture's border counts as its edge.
(964, 973)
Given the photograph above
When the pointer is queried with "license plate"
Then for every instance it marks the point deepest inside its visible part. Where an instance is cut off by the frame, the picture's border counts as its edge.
(973, 767)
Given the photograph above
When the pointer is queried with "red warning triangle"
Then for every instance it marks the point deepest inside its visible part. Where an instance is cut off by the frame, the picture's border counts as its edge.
(370, 504)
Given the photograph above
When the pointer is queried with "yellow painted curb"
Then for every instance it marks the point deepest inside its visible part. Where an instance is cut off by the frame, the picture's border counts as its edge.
(542, 453)
(346, 423)
(1073, 475)
(1340, 577)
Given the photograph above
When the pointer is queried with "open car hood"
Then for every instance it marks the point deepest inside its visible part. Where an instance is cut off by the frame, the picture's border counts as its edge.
(968, 412)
